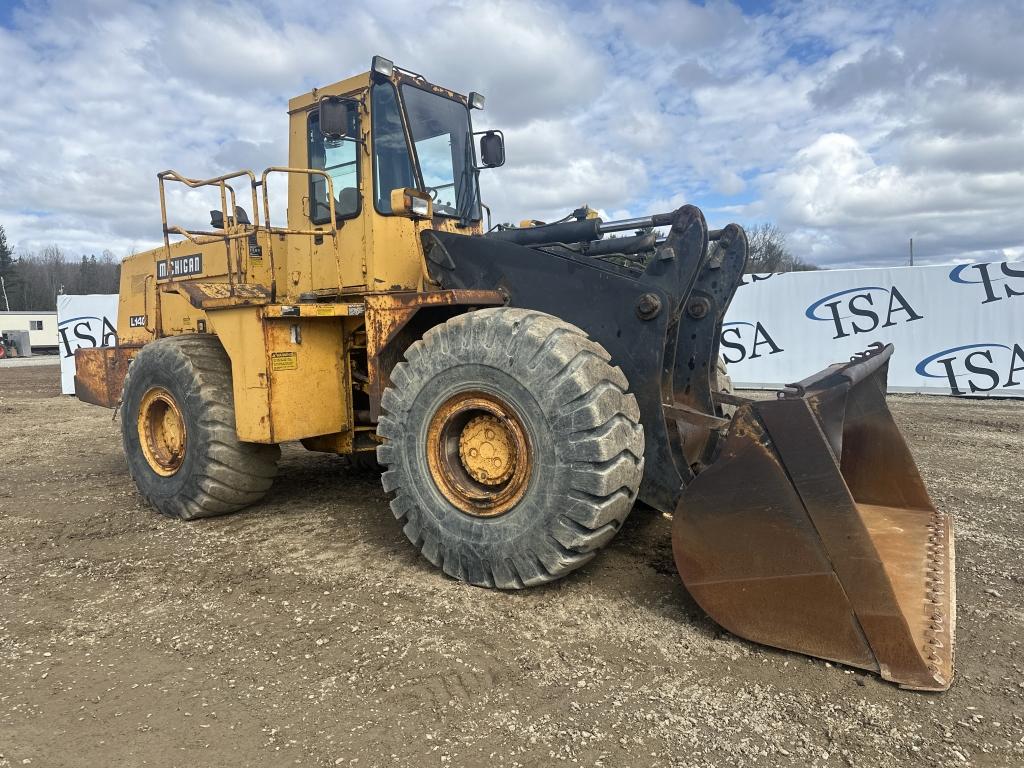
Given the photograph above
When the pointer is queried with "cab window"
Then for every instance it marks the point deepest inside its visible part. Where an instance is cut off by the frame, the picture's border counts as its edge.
(341, 160)
(392, 166)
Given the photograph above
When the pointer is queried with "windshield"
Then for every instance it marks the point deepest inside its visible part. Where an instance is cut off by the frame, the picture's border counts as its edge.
(444, 147)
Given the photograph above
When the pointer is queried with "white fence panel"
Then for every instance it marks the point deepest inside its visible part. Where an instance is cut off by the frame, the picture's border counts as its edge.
(83, 321)
(957, 329)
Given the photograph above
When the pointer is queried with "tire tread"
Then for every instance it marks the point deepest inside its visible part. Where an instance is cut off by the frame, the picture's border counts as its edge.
(604, 457)
(230, 474)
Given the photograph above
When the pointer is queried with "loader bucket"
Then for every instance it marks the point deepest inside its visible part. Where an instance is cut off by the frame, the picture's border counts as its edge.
(812, 531)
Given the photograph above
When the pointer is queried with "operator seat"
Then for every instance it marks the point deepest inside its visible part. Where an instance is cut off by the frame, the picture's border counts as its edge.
(348, 201)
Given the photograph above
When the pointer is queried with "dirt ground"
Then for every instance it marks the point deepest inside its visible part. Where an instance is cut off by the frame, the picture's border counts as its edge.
(308, 631)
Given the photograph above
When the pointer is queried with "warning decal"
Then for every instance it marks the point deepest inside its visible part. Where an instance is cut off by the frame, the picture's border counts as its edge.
(284, 361)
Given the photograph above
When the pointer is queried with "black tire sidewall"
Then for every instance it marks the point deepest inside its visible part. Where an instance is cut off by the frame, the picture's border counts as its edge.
(580, 420)
(503, 534)
(165, 368)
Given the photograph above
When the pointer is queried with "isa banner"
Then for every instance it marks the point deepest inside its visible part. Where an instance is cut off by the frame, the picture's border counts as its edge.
(83, 321)
(957, 330)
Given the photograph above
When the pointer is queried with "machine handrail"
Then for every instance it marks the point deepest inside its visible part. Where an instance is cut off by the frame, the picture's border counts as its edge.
(287, 231)
(237, 231)
(230, 232)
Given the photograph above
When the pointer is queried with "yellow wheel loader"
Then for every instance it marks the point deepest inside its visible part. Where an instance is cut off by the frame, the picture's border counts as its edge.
(521, 387)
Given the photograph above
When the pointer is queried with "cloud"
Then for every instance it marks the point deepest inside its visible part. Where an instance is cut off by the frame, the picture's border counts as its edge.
(101, 96)
(870, 75)
(853, 126)
(925, 141)
(834, 193)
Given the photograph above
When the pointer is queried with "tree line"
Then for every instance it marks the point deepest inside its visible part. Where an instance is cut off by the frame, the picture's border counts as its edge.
(32, 281)
(768, 252)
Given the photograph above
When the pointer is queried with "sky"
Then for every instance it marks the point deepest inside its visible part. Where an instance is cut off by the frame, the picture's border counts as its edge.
(852, 126)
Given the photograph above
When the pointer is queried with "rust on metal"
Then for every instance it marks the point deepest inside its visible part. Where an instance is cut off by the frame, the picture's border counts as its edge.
(389, 314)
(100, 373)
(234, 231)
(204, 295)
(813, 532)
(488, 450)
(163, 436)
(478, 453)
(338, 442)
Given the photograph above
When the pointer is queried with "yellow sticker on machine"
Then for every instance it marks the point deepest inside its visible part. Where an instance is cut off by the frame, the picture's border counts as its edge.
(325, 309)
(284, 361)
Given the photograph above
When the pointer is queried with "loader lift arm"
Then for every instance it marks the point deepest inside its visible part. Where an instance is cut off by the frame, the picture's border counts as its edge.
(660, 325)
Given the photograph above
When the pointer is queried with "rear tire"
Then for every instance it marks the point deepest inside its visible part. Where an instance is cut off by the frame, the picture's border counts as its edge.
(539, 400)
(178, 431)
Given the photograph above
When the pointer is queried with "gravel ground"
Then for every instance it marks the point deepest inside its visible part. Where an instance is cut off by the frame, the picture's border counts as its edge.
(28, 362)
(307, 631)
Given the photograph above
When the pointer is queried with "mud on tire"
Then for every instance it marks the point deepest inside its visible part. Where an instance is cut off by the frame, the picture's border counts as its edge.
(218, 474)
(582, 426)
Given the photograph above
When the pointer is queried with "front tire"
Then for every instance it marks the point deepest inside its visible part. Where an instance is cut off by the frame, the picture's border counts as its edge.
(178, 431)
(721, 382)
(513, 449)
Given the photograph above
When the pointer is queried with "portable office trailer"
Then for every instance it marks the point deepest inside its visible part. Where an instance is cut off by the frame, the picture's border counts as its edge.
(41, 326)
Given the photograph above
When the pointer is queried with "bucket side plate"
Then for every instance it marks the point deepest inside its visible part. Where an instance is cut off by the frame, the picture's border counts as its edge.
(812, 531)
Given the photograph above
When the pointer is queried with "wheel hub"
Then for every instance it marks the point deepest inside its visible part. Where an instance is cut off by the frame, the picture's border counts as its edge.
(478, 453)
(162, 433)
(487, 450)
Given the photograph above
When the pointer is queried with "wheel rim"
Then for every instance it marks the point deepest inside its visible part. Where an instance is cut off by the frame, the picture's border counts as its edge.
(478, 454)
(162, 433)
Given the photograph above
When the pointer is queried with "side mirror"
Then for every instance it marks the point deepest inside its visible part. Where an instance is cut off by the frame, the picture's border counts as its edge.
(339, 118)
(492, 149)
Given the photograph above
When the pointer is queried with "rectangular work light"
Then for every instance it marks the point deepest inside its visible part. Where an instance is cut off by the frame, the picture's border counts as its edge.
(383, 66)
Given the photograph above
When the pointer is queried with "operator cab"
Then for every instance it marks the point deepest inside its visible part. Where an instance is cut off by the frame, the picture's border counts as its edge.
(421, 145)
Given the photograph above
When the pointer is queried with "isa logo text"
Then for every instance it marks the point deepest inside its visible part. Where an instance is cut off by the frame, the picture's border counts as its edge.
(998, 281)
(862, 310)
(746, 341)
(85, 331)
(973, 368)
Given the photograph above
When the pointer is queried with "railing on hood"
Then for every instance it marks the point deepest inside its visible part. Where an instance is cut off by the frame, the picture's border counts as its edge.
(235, 230)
